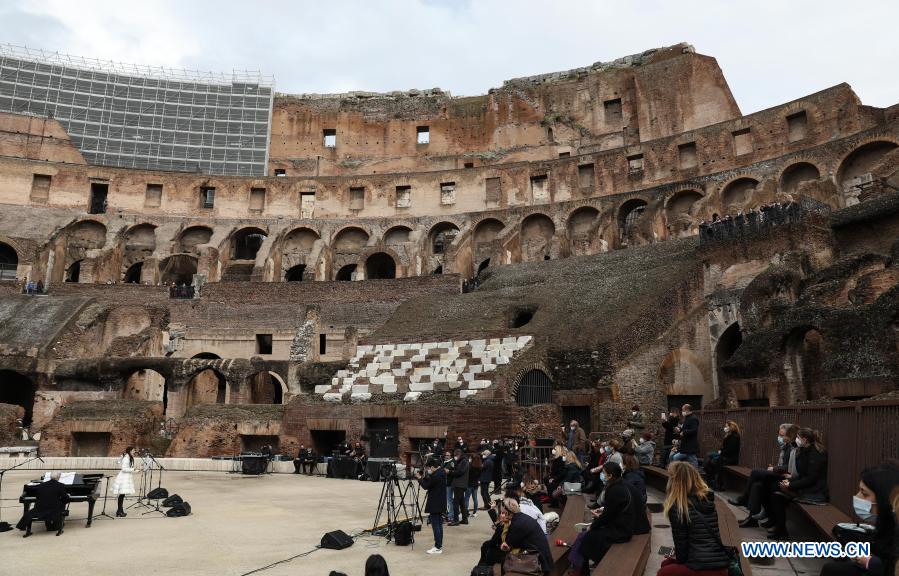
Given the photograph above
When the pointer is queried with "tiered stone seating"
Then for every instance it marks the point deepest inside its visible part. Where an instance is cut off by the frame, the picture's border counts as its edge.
(411, 369)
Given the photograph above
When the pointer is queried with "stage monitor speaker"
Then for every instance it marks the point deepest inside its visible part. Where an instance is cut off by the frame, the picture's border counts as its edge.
(336, 540)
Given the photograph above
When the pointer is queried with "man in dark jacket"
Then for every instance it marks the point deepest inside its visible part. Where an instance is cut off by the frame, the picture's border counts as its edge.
(498, 451)
(459, 475)
(304, 461)
(689, 437)
(50, 506)
(435, 503)
(489, 461)
(669, 423)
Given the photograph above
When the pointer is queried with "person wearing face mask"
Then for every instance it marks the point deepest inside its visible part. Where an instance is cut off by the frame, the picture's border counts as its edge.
(872, 506)
(729, 455)
(808, 483)
(762, 481)
(576, 439)
(628, 442)
(571, 472)
(689, 437)
(488, 461)
(614, 452)
(556, 468)
(635, 422)
(459, 476)
(613, 522)
(670, 421)
(646, 449)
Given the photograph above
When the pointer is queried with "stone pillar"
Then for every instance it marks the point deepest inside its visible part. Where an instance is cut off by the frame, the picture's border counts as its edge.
(350, 340)
(304, 347)
(149, 271)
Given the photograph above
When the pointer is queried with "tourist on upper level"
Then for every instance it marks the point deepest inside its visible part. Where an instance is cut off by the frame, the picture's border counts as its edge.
(486, 476)
(646, 449)
(459, 482)
(872, 506)
(525, 535)
(763, 482)
(576, 439)
(690, 508)
(689, 437)
(613, 522)
(635, 422)
(475, 464)
(634, 475)
(808, 484)
(670, 421)
(434, 483)
(729, 455)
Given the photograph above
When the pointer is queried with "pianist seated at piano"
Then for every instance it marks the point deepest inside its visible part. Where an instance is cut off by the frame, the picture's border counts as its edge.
(123, 485)
(51, 498)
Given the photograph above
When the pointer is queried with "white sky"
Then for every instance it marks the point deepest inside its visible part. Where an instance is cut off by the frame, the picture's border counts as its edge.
(770, 51)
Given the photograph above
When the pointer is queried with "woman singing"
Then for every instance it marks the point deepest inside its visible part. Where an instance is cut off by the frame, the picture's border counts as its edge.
(123, 485)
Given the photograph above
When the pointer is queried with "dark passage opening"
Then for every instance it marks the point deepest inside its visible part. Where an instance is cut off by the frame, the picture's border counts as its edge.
(383, 437)
(521, 317)
(98, 198)
(326, 441)
(90, 443)
(322, 343)
(579, 413)
(295, 274)
(380, 266)
(345, 274)
(74, 272)
(132, 275)
(17, 389)
(253, 443)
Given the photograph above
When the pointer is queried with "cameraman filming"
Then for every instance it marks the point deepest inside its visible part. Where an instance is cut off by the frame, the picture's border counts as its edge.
(434, 482)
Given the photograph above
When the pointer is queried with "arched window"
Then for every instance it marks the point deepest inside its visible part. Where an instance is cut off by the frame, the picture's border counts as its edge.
(534, 387)
(9, 261)
(295, 274)
(380, 266)
(345, 274)
(247, 243)
(132, 275)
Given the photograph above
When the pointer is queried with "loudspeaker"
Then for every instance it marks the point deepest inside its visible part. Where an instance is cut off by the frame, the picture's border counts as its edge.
(158, 494)
(336, 540)
(172, 500)
(178, 510)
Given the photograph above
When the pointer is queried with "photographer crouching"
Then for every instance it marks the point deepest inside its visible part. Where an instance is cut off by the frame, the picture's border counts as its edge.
(434, 483)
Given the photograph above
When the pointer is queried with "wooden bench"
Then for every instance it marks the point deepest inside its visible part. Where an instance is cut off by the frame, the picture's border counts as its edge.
(627, 558)
(730, 531)
(656, 477)
(572, 514)
(740, 473)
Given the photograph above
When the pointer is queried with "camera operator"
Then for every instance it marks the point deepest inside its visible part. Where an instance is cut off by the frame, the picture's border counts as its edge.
(434, 482)
(459, 476)
(448, 465)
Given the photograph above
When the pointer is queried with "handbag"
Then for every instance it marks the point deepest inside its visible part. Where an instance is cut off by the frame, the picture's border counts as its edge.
(846, 532)
(734, 568)
(522, 564)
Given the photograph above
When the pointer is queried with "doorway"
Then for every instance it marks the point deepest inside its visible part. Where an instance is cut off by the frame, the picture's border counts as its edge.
(383, 437)
(98, 198)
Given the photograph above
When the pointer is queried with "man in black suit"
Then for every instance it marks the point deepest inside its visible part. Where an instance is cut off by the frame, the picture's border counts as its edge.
(459, 483)
(305, 460)
(689, 437)
(49, 506)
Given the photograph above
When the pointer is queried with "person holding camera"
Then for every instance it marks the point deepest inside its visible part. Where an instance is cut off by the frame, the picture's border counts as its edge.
(459, 475)
(449, 463)
(434, 483)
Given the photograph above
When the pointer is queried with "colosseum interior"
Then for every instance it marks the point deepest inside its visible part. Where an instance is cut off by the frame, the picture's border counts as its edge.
(563, 246)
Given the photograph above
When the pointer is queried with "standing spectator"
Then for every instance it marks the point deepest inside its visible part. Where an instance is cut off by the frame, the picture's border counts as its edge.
(474, 477)
(689, 437)
(809, 483)
(646, 449)
(499, 451)
(729, 455)
(576, 439)
(459, 476)
(460, 445)
(487, 463)
(449, 463)
(670, 421)
(435, 503)
(690, 508)
(628, 442)
(872, 505)
(636, 420)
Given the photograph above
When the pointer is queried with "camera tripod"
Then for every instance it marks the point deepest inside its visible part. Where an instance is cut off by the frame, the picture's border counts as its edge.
(399, 501)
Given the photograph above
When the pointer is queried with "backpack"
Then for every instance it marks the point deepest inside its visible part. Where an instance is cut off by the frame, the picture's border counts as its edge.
(403, 535)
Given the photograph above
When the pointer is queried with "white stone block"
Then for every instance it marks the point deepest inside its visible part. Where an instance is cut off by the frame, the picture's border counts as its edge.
(454, 385)
(467, 376)
(405, 346)
(449, 356)
(332, 397)
(342, 373)
(475, 368)
(421, 386)
(400, 371)
(417, 358)
(460, 362)
(463, 394)
(364, 349)
(415, 377)
(446, 344)
(477, 343)
(479, 384)
(406, 365)
(389, 388)
(510, 340)
(361, 396)
(452, 377)
(423, 371)
(523, 340)
(489, 367)
(438, 377)
(502, 360)
(360, 388)
(494, 342)
(322, 389)
(411, 396)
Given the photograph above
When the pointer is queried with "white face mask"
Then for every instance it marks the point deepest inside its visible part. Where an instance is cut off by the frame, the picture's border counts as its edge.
(555, 452)
(634, 413)
(641, 440)
(862, 508)
(800, 442)
(564, 458)
(726, 429)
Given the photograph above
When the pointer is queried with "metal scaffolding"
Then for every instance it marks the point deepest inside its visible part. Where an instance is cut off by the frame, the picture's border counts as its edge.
(145, 117)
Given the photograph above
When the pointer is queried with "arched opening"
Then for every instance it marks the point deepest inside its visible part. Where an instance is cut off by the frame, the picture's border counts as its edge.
(295, 273)
(141, 238)
(737, 194)
(628, 218)
(350, 241)
(679, 211)
(581, 221)
(246, 243)
(264, 389)
(438, 270)
(483, 266)
(441, 236)
(18, 389)
(206, 387)
(680, 375)
(537, 231)
(178, 269)
(803, 364)
(380, 266)
(146, 384)
(855, 170)
(299, 240)
(132, 275)
(73, 273)
(727, 344)
(9, 262)
(487, 230)
(534, 387)
(796, 174)
(206, 356)
(345, 274)
(192, 238)
(397, 235)
(86, 235)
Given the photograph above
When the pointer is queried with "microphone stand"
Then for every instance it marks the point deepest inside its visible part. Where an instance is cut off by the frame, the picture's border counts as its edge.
(105, 498)
(2, 472)
(158, 484)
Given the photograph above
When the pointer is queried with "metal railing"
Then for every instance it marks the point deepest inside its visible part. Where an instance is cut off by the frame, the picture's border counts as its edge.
(857, 435)
(8, 271)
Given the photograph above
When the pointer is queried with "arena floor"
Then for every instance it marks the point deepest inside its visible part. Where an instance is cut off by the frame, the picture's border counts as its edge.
(239, 524)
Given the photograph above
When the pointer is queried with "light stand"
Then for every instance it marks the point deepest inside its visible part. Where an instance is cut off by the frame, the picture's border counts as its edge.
(2, 472)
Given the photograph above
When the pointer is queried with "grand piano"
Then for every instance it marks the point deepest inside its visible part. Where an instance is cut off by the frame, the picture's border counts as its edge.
(84, 488)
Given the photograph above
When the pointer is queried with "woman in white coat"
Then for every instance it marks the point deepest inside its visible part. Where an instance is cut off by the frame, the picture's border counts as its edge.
(123, 485)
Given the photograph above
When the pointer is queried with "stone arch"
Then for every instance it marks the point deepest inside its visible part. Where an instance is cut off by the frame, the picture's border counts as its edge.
(487, 230)
(18, 389)
(350, 240)
(246, 242)
(537, 232)
(206, 356)
(295, 273)
(345, 273)
(397, 235)
(9, 262)
(86, 235)
(441, 235)
(680, 374)
(380, 266)
(629, 215)
(483, 266)
(147, 384)
(795, 174)
(264, 389)
(192, 237)
(208, 386)
(143, 234)
(532, 386)
(299, 239)
(133, 273)
(178, 269)
(731, 339)
(737, 193)
(804, 352)
(581, 225)
(680, 212)
(855, 168)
